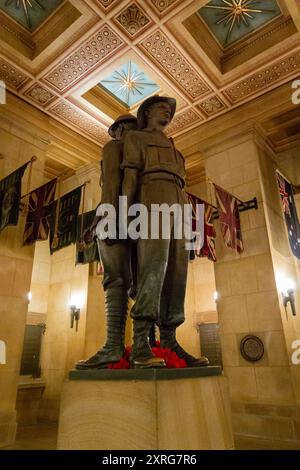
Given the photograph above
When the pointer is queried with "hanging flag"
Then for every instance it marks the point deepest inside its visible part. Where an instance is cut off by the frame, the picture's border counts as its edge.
(40, 207)
(208, 249)
(10, 197)
(229, 219)
(64, 221)
(290, 213)
(86, 246)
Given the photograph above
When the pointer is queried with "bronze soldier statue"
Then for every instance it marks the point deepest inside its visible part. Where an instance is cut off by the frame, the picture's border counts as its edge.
(154, 174)
(115, 254)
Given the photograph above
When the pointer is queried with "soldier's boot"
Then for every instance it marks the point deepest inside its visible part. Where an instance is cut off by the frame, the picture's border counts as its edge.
(168, 340)
(116, 300)
(142, 356)
(123, 326)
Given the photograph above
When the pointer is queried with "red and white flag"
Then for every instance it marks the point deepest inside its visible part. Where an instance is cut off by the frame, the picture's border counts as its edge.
(208, 249)
(229, 219)
(39, 213)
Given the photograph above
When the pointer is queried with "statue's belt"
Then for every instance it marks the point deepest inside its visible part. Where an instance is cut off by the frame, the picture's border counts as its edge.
(146, 178)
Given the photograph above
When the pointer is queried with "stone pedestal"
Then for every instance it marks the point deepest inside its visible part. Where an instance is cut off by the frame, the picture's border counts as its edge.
(145, 410)
(28, 403)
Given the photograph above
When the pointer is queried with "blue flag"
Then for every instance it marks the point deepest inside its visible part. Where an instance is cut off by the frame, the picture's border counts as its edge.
(290, 213)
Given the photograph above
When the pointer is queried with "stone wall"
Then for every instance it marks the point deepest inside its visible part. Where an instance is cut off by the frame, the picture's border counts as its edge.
(26, 132)
(250, 293)
(19, 142)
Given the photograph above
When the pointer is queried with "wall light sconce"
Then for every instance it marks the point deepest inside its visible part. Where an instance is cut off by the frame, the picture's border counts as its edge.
(76, 303)
(75, 316)
(287, 287)
(289, 297)
(29, 297)
(216, 296)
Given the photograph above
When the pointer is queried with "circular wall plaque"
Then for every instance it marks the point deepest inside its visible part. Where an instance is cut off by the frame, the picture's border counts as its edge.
(252, 348)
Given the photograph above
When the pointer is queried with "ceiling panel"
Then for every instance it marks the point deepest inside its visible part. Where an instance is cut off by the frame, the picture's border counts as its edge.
(29, 13)
(147, 48)
(232, 20)
(129, 84)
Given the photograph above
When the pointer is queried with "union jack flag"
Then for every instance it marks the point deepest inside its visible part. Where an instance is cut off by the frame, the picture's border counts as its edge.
(290, 213)
(229, 219)
(39, 213)
(208, 249)
(282, 184)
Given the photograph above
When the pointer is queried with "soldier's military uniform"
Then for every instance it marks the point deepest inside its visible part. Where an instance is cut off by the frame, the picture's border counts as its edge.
(162, 263)
(115, 256)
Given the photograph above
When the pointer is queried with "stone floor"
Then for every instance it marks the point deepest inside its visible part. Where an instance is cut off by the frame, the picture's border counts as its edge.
(42, 436)
(259, 443)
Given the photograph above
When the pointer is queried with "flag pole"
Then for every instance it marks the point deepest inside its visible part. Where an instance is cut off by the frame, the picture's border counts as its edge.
(27, 194)
(283, 176)
(232, 195)
(82, 212)
(26, 205)
(55, 240)
(205, 202)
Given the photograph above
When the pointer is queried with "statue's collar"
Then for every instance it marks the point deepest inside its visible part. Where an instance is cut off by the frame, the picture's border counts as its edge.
(154, 131)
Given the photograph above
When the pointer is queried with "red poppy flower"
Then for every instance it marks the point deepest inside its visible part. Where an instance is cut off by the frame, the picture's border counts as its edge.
(170, 357)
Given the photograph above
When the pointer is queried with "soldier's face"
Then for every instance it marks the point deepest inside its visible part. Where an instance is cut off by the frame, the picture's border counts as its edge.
(160, 113)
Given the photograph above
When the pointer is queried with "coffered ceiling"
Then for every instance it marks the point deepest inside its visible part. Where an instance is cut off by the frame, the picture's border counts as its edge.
(231, 20)
(86, 62)
(29, 13)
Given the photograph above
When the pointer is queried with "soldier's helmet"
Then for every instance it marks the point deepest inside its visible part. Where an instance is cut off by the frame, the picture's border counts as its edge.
(141, 115)
(121, 119)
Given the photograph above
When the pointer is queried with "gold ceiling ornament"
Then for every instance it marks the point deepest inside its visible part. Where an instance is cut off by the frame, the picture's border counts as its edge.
(26, 5)
(130, 82)
(237, 11)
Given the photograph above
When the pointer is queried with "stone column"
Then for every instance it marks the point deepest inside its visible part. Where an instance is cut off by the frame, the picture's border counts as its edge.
(250, 298)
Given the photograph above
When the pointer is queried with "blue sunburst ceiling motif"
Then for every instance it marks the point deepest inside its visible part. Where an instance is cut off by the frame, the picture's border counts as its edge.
(29, 13)
(231, 20)
(129, 84)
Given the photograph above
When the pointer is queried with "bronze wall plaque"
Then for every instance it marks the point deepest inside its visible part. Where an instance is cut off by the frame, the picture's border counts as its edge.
(252, 348)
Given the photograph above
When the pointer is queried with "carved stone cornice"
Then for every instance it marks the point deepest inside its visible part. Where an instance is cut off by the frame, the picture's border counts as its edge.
(89, 170)
(250, 42)
(234, 123)
(63, 144)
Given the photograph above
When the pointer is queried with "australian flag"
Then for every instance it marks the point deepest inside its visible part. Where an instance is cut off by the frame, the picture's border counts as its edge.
(290, 213)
